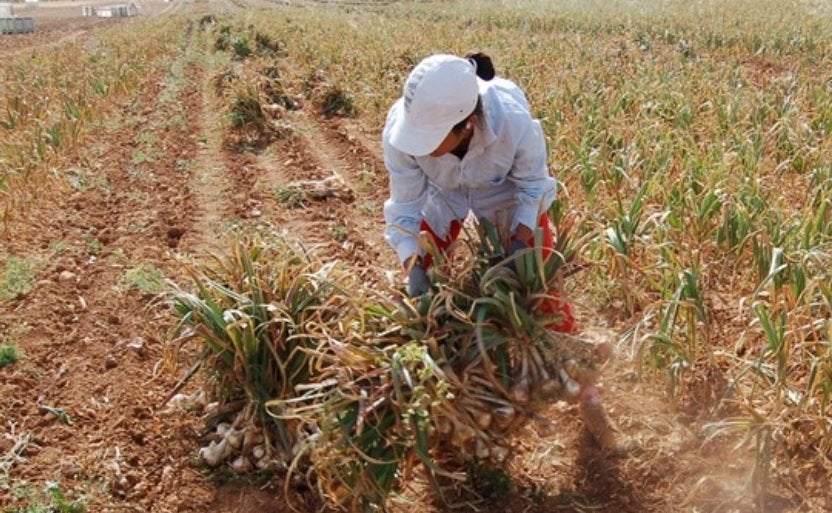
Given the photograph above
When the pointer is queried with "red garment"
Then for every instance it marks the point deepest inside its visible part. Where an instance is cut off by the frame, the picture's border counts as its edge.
(551, 306)
(441, 244)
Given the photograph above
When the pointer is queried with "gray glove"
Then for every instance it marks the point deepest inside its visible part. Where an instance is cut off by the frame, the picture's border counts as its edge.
(417, 281)
(515, 247)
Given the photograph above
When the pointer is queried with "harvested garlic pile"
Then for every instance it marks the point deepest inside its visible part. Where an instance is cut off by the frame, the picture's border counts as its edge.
(246, 445)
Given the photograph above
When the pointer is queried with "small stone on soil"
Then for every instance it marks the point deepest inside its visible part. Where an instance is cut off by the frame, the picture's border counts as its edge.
(137, 346)
(167, 474)
(66, 276)
(70, 469)
(119, 485)
(110, 362)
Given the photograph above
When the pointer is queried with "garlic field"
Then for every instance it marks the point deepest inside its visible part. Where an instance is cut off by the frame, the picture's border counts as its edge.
(693, 144)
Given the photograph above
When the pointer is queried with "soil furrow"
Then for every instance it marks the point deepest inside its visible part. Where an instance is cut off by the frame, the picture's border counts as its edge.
(276, 166)
(358, 226)
(69, 344)
(259, 180)
(89, 386)
(210, 181)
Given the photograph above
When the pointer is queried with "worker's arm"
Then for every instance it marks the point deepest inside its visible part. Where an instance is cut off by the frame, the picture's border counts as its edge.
(403, 210)
(535, 187)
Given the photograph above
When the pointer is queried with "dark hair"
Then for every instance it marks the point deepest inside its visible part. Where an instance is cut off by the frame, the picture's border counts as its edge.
(485, 71)
(485, 68)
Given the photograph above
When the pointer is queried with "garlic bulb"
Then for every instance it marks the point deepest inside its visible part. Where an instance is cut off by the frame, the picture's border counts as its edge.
(482, 449)
(499, 454)
(241, 464)
(573, 389)
(520, 392)
(215, 453)
(483, 420)
(235, 438)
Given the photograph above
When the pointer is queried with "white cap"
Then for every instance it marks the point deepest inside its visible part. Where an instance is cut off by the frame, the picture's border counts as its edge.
(440, 92)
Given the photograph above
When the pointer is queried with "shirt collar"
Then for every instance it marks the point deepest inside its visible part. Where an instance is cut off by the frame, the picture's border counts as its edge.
(483, 134)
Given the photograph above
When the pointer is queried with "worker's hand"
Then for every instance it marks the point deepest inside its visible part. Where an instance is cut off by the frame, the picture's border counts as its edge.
(418, 282)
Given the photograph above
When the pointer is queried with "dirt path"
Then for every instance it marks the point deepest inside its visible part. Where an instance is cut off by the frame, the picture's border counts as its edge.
(210, 181)
(349, 227)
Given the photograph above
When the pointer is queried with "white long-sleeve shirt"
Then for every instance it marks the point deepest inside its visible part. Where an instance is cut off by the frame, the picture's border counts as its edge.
(504, 169)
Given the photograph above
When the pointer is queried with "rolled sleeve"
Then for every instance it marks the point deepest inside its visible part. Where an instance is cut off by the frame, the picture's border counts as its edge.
(535, 187)
(403, 210)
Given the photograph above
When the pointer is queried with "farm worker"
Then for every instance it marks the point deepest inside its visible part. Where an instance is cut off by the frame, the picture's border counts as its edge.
(460, 141)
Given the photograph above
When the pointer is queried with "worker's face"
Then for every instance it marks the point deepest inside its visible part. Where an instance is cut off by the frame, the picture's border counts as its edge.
(454, 139)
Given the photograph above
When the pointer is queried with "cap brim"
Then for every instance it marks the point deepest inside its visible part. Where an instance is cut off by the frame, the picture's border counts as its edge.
(415, 140)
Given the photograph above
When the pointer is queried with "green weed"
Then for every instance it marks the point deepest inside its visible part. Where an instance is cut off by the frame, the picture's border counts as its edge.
(17, 279)
(9, 354)
(146, 277)
(340, 233)
(52, 500)
(489, 482)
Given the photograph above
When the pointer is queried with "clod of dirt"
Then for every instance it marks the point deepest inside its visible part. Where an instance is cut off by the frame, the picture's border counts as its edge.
(110, 362)
(138, 437)
(70, 469)
(174, 234)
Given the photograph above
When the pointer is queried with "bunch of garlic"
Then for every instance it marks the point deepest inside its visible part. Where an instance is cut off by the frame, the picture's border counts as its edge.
(246, 445)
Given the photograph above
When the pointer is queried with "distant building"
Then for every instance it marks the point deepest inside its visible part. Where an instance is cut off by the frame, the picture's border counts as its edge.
(11, 24)
(15, 25)
(117, 11)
